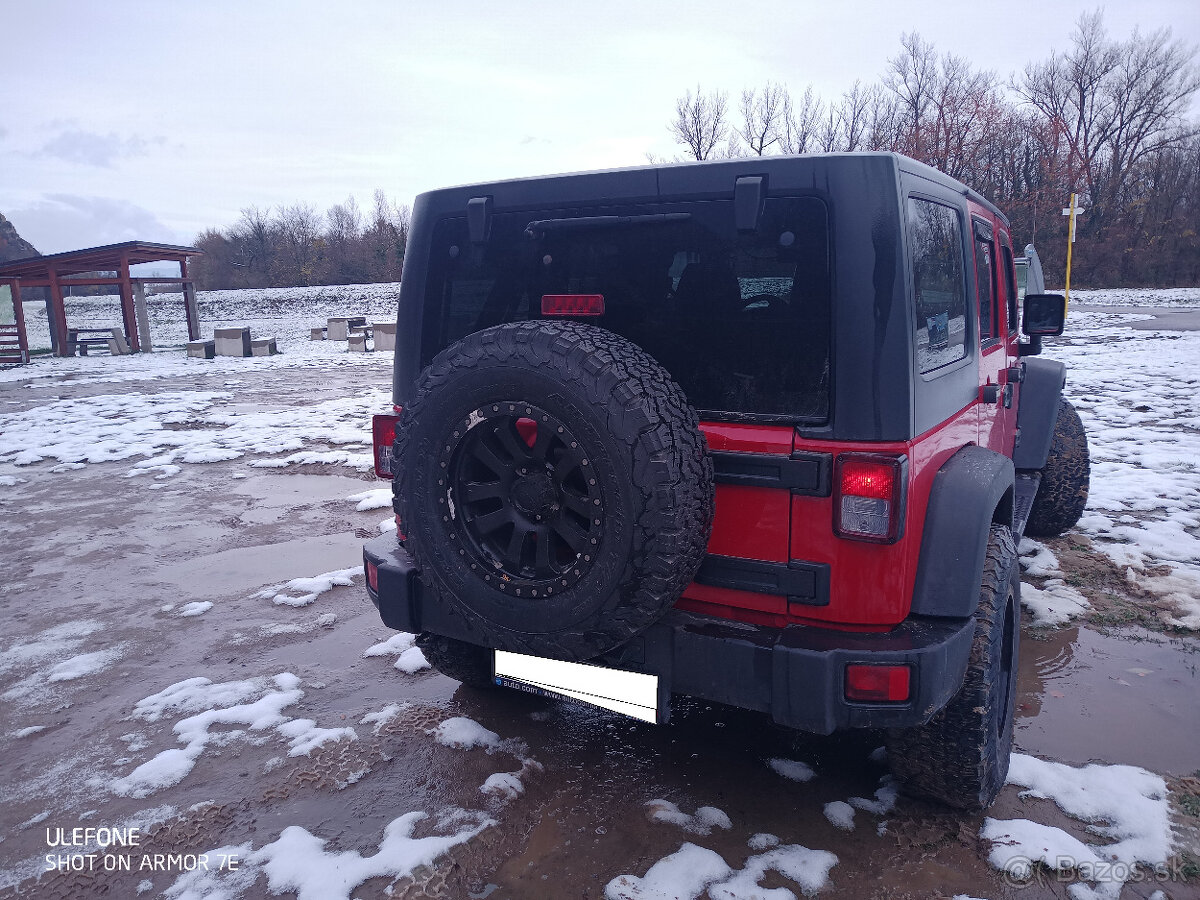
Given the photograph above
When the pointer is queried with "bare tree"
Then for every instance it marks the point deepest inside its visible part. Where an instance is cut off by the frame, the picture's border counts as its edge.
(700, 122)
(1115, 103)
(800, 123)
(762, 117)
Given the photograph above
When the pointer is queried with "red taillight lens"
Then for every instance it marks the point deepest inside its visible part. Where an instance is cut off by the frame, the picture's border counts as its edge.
(877, 684)
(572, 304)
(869, 490)
(373, 576)
(383, 434)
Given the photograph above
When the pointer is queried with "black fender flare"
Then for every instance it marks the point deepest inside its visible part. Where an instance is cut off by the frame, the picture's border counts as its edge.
(972, 491)
(1040, 392)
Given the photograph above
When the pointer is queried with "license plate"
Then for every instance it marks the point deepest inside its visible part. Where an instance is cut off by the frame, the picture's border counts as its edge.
(630, 693)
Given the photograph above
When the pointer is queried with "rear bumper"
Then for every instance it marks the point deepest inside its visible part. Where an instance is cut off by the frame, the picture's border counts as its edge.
(796, 674)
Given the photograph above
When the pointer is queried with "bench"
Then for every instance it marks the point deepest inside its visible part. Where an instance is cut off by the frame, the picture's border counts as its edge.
(82, 338)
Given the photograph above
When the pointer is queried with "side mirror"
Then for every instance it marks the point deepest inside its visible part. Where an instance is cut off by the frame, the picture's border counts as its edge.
(1044, 314)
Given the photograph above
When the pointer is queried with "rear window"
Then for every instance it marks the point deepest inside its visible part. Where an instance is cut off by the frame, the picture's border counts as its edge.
(935, 233)
(740, 321)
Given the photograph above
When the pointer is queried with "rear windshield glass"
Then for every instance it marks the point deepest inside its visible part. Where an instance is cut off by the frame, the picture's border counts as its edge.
(741, 321)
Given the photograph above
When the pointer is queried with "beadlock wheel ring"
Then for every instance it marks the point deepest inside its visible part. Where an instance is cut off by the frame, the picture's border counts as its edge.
(520, 498)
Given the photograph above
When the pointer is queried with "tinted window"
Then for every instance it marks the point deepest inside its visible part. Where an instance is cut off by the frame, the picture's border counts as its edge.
(983, 283)
(936, 237)
(1010, 287)
(740, 321)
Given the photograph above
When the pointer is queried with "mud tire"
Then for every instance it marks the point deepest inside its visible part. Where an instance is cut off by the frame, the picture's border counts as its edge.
(1063, 493)
(960, 757)
(459, 660)
(612, 409)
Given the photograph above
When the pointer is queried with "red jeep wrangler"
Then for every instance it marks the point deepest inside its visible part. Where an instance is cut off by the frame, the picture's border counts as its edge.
(760, 431)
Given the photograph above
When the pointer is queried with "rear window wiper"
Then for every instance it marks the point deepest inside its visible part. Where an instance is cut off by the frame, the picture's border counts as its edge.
(541, 226)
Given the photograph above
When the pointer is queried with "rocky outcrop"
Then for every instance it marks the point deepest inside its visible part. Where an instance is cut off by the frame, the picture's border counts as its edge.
(12, 245)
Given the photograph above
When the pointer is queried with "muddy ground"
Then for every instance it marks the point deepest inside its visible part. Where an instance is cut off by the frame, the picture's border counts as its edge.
(90, 544)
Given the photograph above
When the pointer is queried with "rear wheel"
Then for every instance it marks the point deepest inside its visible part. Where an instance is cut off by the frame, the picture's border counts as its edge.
(1063, 492)
(468, 663)
(960, 757)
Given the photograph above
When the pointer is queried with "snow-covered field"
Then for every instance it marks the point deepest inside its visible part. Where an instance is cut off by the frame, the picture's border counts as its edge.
(286, 314)
(189, 653)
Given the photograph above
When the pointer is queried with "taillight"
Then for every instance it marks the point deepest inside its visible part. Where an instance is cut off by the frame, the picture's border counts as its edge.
(383, 434)
(868, 500)
(373, 576)
(572, 304)
(877, 684)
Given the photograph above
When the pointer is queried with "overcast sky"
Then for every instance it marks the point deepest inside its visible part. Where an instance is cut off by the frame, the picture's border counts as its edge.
(123, 120)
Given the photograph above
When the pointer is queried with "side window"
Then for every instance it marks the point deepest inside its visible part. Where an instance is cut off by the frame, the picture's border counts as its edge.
(935, 233)
(984, 280)
(1010, 285)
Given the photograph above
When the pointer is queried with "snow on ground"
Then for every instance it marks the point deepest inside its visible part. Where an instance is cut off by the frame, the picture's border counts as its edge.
(841, 814)
(687, 872)
(298, 861)
(792, 769)
(1125, 806)
(1037, 559)
(1055, 603)
(377, 498)
(1138, 394)
(115, 427)
(50, 658)
(196, 608)
(409, 658)
(702, 821)
(221, 704)
(464, 734)
(884, 800)
(303, 591)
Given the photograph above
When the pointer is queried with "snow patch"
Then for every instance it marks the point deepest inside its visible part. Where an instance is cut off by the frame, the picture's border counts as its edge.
(380, 498)
(464, 734)
(702, 821)
(196, 608)
(681, 876)
(303, 591)
(792, 769)
(1037, 559)
(507, 785)
(841, 814)
(1054, 604)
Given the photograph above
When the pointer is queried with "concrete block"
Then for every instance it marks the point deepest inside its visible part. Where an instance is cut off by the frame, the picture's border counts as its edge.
(385, 335)
(358, 343)
(232, 341)
(337, 329)
(263, 347)
(117, 345)
(202, 349)
(316, 334)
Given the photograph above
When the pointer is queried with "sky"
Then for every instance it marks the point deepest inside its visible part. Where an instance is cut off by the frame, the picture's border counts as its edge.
(154, 121)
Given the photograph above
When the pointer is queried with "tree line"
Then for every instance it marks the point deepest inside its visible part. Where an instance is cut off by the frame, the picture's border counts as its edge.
(297, 245)
(1107, 119)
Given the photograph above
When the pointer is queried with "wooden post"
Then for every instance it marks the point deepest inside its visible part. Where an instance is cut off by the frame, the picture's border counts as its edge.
(128, 316)
(189, 302)
(143, 316)
(56, 312)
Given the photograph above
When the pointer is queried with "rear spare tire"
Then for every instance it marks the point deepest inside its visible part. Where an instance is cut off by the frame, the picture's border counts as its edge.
(554, 487)
(1063, 492)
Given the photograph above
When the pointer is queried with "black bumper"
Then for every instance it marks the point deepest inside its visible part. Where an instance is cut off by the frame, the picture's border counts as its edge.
(796, 674)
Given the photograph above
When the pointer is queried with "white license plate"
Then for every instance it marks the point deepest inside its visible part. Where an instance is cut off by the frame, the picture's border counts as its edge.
(630, 693)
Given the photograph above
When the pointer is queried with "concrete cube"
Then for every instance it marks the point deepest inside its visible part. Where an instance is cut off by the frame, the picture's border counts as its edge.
(358, 343)
(232, 341)
(263, 347)
(337, 329)
(385, 335)
(317, 334)
(202, 349)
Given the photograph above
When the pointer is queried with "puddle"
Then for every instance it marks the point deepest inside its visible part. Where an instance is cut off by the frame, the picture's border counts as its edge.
(1127, 698)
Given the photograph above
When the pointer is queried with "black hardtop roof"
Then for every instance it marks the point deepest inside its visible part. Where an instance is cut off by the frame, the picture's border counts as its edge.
(693, 179)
